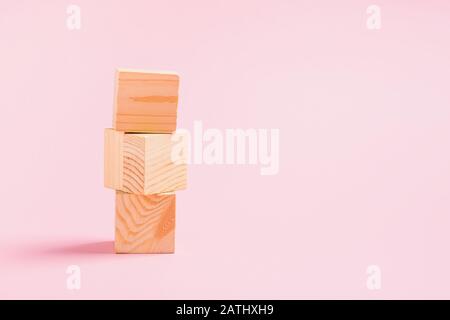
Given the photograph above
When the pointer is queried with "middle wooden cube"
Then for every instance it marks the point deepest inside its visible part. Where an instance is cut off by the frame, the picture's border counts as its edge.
(141, 163)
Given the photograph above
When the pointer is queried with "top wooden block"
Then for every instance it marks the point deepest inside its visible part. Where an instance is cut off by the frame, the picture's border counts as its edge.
(145, 101)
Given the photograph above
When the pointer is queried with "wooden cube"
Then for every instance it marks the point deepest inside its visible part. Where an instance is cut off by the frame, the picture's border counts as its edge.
(145, 101)
(145, 223)
(141, 163)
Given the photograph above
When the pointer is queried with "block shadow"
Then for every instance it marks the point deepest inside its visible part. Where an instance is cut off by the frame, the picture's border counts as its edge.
(100, 247)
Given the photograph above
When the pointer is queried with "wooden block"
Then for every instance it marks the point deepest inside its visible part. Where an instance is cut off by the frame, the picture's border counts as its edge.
(145, 101)
(141, 163)
(145, 223)
(113, 158)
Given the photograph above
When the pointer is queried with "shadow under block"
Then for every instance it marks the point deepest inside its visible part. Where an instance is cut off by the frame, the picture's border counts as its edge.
(141, 163)
(145, 223)
(145, 101)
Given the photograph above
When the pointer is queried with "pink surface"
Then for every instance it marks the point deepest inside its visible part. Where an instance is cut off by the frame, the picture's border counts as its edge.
(364, 119)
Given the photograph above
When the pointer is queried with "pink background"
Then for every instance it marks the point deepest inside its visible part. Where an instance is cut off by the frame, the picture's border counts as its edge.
(364, 123)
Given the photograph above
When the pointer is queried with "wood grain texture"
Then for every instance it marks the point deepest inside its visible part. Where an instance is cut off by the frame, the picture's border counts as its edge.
(146, 166)
(113, 159)
(145, 101)
(145, 223)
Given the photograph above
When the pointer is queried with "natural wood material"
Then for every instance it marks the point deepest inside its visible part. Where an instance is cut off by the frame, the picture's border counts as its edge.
(145, 223)
(141, 163)
(113, 158)
(145, 101)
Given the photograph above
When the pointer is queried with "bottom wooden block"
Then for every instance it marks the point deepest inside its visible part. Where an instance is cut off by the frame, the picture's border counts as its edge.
(145, 223)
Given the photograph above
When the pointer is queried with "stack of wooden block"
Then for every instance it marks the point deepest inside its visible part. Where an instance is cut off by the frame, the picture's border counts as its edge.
(138, 162)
